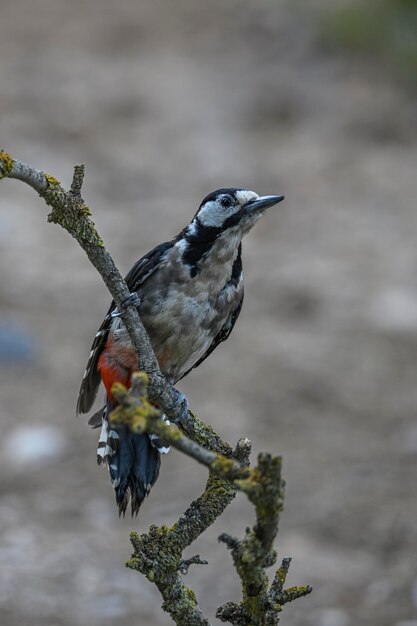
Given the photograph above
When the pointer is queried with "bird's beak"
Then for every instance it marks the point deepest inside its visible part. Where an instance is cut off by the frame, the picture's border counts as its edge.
(263, 202)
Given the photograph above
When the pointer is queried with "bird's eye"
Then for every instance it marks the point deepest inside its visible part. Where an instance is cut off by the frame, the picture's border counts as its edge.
(226, 202)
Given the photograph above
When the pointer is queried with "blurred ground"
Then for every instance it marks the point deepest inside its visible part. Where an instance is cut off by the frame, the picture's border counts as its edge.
(165, 102)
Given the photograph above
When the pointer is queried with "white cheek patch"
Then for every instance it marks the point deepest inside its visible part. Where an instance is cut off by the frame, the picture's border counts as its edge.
(213, 214)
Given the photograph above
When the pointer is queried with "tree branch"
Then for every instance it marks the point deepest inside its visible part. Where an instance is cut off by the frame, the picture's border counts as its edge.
(260, 605)
(264, 487)
(158, 553)
(70, 212)
(135, 411)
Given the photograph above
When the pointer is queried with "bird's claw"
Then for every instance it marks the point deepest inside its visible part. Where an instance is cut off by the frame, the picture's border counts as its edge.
(180, 407)
(131, 300)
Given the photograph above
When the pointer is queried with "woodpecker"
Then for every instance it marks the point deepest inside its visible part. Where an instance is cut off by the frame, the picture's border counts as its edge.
(190, 294)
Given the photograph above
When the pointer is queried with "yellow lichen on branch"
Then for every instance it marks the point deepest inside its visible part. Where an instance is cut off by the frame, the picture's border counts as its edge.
(6, 164)
(70, 212)
(52, 181)
(136, 415)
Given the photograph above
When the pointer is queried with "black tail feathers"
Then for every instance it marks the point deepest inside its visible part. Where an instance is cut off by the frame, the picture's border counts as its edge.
(134, 469)
(133, 464)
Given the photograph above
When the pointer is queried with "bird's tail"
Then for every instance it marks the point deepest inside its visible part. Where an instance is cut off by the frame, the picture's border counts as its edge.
(133, 461)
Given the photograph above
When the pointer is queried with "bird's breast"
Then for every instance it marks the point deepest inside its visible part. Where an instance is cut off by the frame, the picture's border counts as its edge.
(183, 326)
(183, 315)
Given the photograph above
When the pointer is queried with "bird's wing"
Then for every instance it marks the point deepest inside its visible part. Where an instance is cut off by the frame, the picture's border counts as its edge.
(222, 335)
(91, 378)
(139, 273)
(146, 266)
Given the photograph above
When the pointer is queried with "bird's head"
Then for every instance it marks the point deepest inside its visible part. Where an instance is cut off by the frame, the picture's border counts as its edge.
(223, 218)
(232, 208)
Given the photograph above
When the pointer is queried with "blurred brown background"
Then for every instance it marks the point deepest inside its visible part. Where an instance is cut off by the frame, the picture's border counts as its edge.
(164, 102)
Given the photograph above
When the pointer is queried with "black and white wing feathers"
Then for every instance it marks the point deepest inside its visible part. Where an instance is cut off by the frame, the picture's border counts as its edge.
(146, 266)
(91, 378)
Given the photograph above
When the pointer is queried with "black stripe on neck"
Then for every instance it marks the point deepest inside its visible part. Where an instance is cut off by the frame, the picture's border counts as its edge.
(199, 243)
(237, 268)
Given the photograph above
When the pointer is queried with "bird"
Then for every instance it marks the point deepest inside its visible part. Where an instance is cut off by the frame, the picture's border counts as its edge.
(189, 294)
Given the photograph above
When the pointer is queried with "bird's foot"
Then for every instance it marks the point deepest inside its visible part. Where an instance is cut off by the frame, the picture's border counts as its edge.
(180, 408)
(131, 300)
